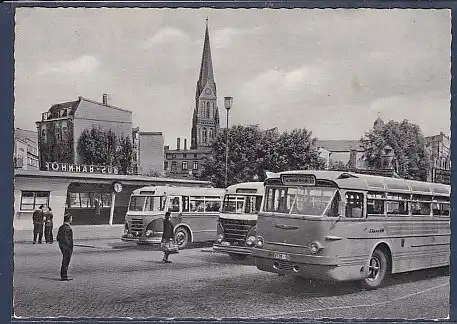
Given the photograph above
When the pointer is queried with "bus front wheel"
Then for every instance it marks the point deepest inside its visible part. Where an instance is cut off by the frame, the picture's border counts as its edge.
(182, 237)
(378, 269)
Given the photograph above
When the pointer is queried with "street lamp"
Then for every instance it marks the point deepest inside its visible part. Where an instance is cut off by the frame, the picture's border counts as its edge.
(228, 104)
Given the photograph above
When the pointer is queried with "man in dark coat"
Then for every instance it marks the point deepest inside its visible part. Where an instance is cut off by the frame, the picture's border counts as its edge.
(48, 224)
(38, 219)
(65, 239)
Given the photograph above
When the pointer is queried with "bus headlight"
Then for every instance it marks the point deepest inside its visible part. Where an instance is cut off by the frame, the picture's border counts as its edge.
(220, 232)
(250, 237)
(315, 247)
(149, 232)
(126, 228)
(259, 241)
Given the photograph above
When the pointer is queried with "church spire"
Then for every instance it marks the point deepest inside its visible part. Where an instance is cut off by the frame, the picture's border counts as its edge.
(206, 67)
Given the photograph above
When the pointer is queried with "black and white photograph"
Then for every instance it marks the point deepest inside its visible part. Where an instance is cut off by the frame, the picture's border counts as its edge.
(176, 163)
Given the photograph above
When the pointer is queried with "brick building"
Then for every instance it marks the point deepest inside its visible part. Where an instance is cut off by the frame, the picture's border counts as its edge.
(149, 152)
(25, 149)
(61, 126)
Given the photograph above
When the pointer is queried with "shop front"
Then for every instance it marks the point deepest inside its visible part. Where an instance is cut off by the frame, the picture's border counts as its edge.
(91, 198)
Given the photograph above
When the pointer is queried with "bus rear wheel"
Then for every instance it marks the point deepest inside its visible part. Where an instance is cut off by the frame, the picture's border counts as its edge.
(237, 257)
(378, 270)
(182, 237)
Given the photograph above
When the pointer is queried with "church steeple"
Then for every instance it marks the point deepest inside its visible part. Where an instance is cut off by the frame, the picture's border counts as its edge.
(205, 121)
(206, 67)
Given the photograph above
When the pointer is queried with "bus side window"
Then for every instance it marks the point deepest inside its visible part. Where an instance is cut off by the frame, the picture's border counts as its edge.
(354, 205)
(173, 206)
(333, 211)
(185, 203)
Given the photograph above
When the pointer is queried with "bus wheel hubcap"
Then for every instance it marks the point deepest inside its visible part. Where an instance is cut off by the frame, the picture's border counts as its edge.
(374, 268)
(180, 238)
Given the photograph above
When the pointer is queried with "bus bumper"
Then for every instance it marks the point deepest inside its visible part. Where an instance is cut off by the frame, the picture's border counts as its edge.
(141, 239)
(232, 249)
(307, 266)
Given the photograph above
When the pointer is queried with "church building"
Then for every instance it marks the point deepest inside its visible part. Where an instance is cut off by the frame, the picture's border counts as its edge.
(184, 162)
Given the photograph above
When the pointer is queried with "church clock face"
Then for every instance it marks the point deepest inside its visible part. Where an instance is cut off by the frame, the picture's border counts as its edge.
(208, 91)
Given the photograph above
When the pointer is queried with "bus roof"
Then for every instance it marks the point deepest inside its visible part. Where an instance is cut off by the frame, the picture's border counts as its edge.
(350, 180)
(174, 190)
(246, 188)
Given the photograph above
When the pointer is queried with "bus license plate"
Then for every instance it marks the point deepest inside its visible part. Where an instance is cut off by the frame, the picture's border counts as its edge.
(281, 256)
(130, 235)
(225, 243)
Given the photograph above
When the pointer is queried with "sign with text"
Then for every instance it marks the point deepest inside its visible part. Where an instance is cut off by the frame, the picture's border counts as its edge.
(298, 179)
(80, 168)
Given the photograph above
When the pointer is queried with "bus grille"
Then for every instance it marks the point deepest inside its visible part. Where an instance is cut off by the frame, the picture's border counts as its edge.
(235, 230)
(136, 224)
(283, 265)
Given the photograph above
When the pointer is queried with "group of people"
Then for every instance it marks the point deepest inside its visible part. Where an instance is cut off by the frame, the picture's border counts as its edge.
(43, 217)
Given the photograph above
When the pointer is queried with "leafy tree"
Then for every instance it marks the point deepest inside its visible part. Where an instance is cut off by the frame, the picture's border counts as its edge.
(338, 166)
(97, 147)
(124, 155)
(408, 143)
(53, 149)
(252, 151)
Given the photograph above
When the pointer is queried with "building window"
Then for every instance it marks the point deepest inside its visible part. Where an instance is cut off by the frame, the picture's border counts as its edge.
(195, 155)
(184, 155)
(207, 110)
(173, 156)
(195, 166)
(43, 135)
(31, 200)
(165, 165)
(205, 135)
(184, 165)
(173, 166)
(211, 134)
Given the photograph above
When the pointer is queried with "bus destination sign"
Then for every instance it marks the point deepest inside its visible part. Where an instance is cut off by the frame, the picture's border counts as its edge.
(298, 179)
(246, 191)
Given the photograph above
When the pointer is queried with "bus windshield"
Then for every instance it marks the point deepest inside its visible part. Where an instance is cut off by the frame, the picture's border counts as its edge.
(147, 203)
(240, 204)
(298, 200)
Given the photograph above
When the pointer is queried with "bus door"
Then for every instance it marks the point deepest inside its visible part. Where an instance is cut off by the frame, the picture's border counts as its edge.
(174, 203)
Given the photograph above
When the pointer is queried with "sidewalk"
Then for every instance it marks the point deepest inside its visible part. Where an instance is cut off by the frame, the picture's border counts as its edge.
(81, 233)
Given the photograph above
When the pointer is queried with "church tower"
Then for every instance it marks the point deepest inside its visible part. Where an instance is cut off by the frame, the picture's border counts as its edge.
(205, 120)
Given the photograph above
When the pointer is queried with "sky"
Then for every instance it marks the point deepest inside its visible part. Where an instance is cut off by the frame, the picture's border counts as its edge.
(332, 71)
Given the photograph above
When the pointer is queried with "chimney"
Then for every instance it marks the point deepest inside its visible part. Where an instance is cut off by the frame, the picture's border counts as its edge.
(185, 144)
(105, 99)
(178, 142)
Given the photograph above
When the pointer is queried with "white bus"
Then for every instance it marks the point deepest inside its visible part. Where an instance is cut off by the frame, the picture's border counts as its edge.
(238, 218)
(335, 225)
(194, 214)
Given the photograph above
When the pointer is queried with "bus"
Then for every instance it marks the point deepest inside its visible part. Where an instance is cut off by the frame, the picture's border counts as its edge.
(334, 225)
(194, 214)
(237, 220)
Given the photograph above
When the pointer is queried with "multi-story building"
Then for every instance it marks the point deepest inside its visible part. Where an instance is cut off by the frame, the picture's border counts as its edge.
(25, 149)
(205, 123)
(148, 153)
(439, 149)
(61, 126)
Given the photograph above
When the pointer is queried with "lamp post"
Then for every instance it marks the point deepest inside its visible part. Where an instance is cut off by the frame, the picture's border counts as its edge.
(228, 104)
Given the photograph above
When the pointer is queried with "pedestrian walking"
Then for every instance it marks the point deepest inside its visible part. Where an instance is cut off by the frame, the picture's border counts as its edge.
(48, 224)
(38, 218)
(168, 243)
(65, 239)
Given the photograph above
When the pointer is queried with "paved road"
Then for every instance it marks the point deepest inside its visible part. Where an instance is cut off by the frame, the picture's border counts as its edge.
(132, 282)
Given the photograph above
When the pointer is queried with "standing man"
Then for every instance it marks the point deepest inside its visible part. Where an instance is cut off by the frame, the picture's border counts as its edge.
(65, 239)
(38, 225)
(48, 224)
